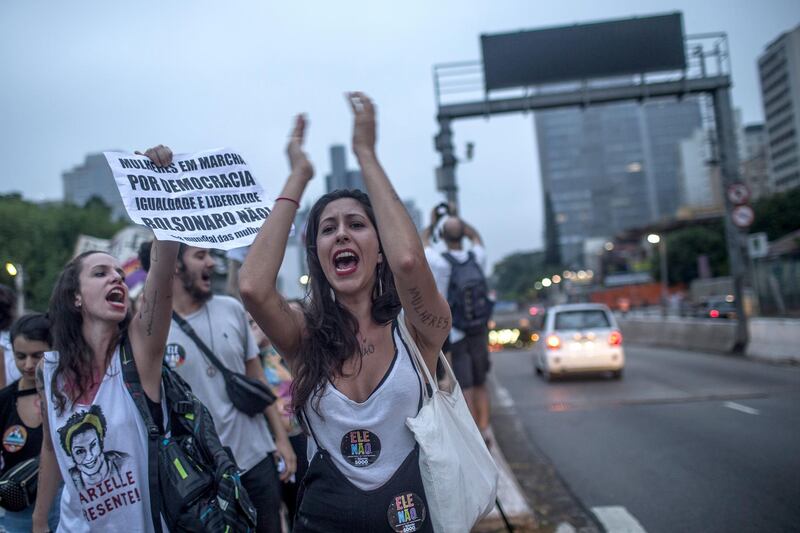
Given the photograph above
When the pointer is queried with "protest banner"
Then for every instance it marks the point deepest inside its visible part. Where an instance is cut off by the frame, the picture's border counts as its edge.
(209, 199)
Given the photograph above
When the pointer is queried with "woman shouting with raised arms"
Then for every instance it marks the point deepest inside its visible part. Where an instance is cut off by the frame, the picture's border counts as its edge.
(355, 379)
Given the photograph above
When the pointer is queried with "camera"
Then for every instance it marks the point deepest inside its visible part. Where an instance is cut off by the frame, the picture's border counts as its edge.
(442, 209)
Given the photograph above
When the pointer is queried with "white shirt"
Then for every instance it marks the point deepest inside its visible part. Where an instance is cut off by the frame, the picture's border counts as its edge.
(368, 441)
(221, 323)
(442, 269)
(102, 455)
(12, 372)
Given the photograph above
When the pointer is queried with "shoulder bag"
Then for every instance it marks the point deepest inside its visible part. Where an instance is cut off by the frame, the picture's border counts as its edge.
(458, 472)
(18, 486)
(248, 395)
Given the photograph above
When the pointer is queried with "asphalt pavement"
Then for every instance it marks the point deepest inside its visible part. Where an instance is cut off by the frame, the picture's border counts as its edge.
(686, 441)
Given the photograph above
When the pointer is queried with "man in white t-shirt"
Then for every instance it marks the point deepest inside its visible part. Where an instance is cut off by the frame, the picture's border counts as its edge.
(221, 323)
(470, 353)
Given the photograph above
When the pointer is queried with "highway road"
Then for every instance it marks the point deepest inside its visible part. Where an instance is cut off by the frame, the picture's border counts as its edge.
(685, 442)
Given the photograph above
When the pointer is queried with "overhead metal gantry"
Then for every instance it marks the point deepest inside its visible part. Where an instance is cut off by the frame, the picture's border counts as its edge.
(461, 93)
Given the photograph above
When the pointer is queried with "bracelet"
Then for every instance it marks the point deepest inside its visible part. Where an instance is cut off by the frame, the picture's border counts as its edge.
(295, 202)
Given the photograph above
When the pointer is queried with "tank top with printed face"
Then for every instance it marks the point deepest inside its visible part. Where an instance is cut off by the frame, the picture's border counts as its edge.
(101, 450)
(368, 441)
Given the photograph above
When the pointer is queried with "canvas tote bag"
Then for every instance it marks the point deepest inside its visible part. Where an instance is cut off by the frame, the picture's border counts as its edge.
(458, 472)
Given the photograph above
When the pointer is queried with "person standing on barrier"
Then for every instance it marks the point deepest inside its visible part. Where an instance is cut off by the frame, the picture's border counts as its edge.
(355, 380)
(459, 277)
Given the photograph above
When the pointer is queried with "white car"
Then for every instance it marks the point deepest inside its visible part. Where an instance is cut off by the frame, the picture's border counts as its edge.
(579, 338)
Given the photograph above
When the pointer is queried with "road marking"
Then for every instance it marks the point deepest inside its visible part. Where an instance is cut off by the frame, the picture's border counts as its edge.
(617, 519)
(565, 528)
(504, 398)
(743, 408)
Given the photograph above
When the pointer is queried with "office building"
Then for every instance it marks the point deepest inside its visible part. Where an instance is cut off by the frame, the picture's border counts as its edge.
(93, 179)
(340, 177)
(699, 177)
(754, 171)
(608, 168)
(779, 73)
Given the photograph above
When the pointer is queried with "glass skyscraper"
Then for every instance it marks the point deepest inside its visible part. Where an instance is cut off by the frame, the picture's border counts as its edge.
(612, 167)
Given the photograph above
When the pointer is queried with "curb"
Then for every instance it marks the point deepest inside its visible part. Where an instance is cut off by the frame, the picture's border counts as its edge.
(554, 507)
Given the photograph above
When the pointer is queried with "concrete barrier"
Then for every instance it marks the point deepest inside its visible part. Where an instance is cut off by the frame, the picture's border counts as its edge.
(703, 335)
(773, 339)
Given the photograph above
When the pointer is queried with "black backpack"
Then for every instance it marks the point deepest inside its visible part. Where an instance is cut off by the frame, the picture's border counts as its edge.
(468, 295)
(194, 482)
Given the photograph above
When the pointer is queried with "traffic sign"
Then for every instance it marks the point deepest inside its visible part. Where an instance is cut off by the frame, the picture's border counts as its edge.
(738, 193)
(743, 216)
(757, 245)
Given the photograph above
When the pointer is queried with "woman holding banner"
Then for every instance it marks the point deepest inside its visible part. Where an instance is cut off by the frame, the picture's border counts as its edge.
(95, 439)
(355, 381)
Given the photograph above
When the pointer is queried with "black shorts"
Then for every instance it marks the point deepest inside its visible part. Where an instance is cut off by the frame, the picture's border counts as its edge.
(471, 360)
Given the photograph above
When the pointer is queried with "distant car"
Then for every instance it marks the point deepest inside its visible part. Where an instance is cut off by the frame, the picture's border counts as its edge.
(718, 308)
(579, 338)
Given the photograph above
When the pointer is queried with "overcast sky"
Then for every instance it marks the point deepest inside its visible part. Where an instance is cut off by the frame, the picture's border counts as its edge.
(87, 76)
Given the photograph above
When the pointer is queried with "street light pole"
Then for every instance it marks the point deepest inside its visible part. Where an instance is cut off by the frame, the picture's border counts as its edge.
(19, 284)
(662, 252)
(18, 273)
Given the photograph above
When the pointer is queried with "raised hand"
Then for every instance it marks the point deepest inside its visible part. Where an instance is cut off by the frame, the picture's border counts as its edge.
(160, 155)
(298, 161)
(363, 122)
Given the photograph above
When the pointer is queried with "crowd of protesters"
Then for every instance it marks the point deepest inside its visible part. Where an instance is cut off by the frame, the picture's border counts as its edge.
(332, 452)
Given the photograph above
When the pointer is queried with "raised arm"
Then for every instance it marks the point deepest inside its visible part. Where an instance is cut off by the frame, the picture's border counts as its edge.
(258, 278)
(472, 234)
(427, 313)
(150, 325)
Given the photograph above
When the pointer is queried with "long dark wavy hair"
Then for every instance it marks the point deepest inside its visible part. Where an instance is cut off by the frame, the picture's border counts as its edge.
(75, 357)
(332, 329)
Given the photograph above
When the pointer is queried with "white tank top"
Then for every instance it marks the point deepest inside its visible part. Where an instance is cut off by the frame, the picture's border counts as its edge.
(368, 441)
(102, 454)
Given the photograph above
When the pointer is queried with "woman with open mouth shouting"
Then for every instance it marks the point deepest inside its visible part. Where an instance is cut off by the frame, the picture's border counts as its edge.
(95, 439)
(355, 380)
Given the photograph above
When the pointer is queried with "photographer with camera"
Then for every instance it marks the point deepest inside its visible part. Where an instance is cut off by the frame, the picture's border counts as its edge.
(459, 275)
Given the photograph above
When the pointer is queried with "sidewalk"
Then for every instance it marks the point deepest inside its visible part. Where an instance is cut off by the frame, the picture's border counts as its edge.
(532, 494)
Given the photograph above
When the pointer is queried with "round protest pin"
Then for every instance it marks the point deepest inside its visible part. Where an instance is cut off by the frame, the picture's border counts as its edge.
(406, 512)
(174, 355)
(360, 447)
(14, 438)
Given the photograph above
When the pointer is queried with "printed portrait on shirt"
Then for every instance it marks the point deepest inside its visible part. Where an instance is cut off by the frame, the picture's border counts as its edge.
(82, 438)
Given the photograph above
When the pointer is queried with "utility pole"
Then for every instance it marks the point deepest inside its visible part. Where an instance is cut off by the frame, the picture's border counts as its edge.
(446, 173)
(729, 165)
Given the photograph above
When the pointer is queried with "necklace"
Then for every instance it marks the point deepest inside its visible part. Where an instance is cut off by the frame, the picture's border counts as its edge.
(211, 371)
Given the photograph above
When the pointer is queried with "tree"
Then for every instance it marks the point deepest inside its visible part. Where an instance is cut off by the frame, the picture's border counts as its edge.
(686, 245)
(777, 214)
(515, 275)
(42, 238)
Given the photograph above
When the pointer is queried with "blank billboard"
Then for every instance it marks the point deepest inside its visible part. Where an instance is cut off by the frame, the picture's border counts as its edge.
(568, 53)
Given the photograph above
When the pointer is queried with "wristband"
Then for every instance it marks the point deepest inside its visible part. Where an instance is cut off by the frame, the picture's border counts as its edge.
(295, 202)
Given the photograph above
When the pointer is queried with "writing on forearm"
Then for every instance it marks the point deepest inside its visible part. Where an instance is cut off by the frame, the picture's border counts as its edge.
(147, 311)
(427, 318)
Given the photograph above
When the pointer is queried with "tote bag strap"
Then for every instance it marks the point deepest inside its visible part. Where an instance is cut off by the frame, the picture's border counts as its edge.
(419, 361)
